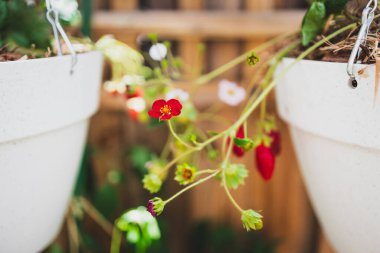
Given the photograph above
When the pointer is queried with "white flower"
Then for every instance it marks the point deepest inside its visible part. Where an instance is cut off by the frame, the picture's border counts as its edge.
(115, 87)
(136, 104)
(67, 9)
(230, 93)
(178, 94)
(133, 80)
(158, 51)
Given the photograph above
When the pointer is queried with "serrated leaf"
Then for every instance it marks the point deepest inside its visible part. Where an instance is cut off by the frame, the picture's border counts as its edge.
(313, 22)
(235, 175)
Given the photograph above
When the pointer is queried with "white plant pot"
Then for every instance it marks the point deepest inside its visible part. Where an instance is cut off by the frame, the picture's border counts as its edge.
(44, 112)
(336, 133)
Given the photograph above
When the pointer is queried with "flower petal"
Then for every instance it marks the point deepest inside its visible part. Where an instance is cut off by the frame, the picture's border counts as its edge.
(174, 104)
(176, 111)
(158, 104)
(166, 117)
(154, 114)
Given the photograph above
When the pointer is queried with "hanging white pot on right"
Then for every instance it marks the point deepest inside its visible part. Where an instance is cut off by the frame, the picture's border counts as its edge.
(336, 133)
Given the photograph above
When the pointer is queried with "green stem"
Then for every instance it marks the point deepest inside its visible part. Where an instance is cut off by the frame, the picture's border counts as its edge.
(201, 172)
(116, 240)
(233, 201)
(263, 109)
(166, 150)
(211, 75)
(224, 166)
(200, 181)
(96, 215)
(228, 154)
(176, 136)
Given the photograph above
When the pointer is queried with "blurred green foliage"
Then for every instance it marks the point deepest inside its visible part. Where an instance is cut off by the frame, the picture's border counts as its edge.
(208, 238)
(23, 24)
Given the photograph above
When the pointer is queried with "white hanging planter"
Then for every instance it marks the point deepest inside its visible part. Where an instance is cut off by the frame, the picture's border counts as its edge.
(336, 133)
(44, 112)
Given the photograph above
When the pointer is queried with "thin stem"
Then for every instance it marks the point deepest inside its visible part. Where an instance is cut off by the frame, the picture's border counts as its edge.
(96, 215)
(245, 128)
(263, 109)
(201, 172)
(224, 145)
(176, 136)
(200, 181)
(211, 75)
(73, 234)
(166, 150)
(228, 154)
(116, 240)
(233, 201)
(224, 166)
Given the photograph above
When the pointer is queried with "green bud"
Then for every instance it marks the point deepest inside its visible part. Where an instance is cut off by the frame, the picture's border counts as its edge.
(253, 59)
(252, 220)
(235, 175)
(156, 206)
(152, 182)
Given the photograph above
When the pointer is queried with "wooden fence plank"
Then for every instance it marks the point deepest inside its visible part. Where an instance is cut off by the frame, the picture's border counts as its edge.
(208, 25)
(124, 4)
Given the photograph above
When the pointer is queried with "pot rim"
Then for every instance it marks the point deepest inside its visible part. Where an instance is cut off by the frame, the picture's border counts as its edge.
(50, 58)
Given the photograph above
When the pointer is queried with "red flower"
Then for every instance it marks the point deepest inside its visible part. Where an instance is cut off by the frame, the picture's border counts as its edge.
(238, 151)
(265, 161)
(275, 145)
(165, 110)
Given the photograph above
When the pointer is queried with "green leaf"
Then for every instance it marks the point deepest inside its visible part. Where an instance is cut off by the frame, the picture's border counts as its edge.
(56, 248)
(313, 22)
(212, 154)
(133, 234)
(106, 200)
(235, 175)
(335, 6)
(245, 143)
(90, 242)
(139, 156)
(3, 12)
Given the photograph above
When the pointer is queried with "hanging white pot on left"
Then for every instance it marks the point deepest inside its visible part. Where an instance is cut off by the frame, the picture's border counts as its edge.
(44, 113)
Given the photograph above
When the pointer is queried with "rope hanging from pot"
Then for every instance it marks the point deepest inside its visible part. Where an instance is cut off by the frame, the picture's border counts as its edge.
(368, 15)
(52, 16)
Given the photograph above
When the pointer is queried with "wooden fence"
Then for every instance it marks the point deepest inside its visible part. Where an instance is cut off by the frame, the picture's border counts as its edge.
(228, 28)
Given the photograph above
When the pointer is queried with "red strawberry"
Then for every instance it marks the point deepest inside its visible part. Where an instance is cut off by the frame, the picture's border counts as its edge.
(265, 161)
(275, 145)
(133, 92)
(238, 151)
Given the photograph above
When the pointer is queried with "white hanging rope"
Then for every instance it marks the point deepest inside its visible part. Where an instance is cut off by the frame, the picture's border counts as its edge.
(53, 18)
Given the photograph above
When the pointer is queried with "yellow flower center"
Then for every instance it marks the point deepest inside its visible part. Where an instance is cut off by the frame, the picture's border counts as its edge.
(187, 174)
(231, 92)
(166, 109)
